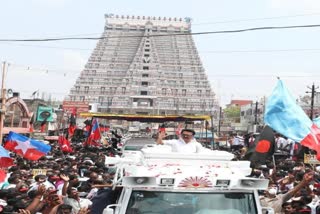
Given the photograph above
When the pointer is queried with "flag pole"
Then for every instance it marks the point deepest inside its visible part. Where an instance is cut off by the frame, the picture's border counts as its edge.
(3, 102)
(273, 160)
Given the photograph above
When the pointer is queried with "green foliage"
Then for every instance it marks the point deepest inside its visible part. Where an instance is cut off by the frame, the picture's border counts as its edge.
(232, 113)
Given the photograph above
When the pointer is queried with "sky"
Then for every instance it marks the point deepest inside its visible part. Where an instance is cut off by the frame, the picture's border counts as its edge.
(239, 65)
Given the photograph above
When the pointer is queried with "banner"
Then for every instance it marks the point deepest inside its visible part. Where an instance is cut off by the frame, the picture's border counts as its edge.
(45, 112)
(310, 159)
(36, 172)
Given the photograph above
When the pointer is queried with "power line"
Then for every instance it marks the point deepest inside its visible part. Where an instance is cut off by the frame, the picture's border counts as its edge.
(262, 76)
(37, 69)
(262, 51)
(163, 35)
(201, 52)
(255, 19)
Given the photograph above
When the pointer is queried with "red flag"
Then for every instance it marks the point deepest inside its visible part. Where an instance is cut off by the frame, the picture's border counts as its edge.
(64, 144)
(71, 130)
(3, 175)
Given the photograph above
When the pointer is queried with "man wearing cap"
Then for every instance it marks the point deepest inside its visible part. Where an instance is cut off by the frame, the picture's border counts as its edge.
(185, 144)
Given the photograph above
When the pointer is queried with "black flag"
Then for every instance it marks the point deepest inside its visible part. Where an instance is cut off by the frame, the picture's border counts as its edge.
(263, 147)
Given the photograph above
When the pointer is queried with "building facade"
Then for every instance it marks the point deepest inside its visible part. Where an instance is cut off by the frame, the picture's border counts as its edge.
(145, 65)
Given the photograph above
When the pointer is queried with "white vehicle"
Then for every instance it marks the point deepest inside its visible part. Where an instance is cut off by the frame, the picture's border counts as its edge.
(158, 181)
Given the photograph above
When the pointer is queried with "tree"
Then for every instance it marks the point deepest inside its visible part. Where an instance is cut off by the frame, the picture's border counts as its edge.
(232, 113)
(305, 99)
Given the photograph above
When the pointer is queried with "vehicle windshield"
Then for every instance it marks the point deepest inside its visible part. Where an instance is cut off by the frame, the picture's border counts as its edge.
(143, 202)
(132, 148)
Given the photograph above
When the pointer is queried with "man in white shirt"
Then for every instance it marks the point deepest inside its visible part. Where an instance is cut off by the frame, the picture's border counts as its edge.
(73, 199)
(237, 143)
(280, 142)
(185, 144)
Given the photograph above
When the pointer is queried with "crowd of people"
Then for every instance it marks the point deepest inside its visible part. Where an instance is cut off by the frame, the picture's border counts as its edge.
(59, 183)
(79, 182)
(294, 186)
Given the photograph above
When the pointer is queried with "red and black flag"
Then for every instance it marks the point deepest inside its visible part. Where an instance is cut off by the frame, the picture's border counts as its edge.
(43, 125)
(162, 128)
(94, 135)
(31, 122)
(263, 147)
(72, 124)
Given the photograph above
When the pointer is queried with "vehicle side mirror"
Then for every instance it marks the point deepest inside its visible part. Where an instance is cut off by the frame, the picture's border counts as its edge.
(109, 210)
(267, 210)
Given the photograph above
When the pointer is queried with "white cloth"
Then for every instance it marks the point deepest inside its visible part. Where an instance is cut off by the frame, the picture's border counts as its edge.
(235, 141)
(281, 142)
(290, 146)
(180, 146)
(77, 205)
(251, 141)
(59, 188)
(313, 205)
(47, 184)
(93, 192)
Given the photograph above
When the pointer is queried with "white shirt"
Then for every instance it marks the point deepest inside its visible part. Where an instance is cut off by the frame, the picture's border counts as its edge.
(281, 142)
(180, 146)
(313, 204)
(34, 186)
(77, 205)
(236, 141)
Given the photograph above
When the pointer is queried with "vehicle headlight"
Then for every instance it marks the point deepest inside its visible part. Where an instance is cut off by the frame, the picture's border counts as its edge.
(222, 183)
(167, 181)
(141, 180)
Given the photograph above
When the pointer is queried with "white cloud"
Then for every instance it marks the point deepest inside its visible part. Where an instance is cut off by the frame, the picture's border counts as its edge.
(49, 3)
(296, 5)
(56, 80)
(73, 60)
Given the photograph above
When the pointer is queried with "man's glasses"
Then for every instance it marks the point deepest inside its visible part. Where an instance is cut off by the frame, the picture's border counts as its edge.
(186, 136)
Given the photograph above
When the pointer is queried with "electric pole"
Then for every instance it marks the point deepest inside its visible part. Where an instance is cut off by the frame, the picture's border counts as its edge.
(212, 132)
(313, 91)
(256, 114)
(219, 122)
(3, 102)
